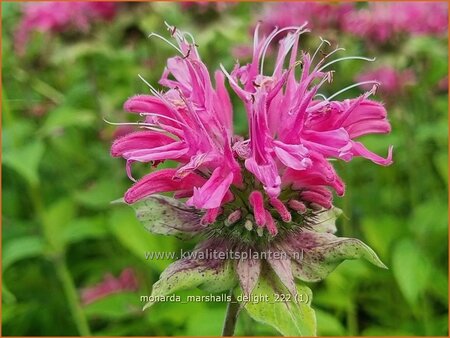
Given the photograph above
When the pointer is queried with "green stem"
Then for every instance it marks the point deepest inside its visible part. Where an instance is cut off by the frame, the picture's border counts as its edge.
(231, 317)
(62, 271)
(72, 297)
(352, 320)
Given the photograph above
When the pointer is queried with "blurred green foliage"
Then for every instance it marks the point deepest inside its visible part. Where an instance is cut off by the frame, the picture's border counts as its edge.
(58, 180)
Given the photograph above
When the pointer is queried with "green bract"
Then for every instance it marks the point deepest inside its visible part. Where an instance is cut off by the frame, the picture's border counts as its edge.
(272, 274)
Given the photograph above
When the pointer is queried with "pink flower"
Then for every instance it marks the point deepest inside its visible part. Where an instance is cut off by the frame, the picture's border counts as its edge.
(381, 22)
(269, 192)
(293, 132)
(392, 82)
(127, 281)
(319, 15)
(443, 84)
(54, 17)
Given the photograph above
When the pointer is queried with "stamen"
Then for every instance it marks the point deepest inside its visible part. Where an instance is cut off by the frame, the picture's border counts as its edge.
(167, 41)
(165, 117)
(346, 58)
(352, 86)
(321, 95)
(152, 89)
(162, 98)
(322, 41)
(273, 35)
(139, 124)
(334, 51)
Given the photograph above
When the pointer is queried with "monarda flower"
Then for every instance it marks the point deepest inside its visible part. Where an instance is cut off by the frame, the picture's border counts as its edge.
(127, 281)
(266, 196)
(392, 81)
(320, 16)
(382, 22)
(62, 16)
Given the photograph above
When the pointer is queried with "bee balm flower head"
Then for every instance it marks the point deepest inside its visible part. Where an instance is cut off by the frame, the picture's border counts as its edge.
(270, 190)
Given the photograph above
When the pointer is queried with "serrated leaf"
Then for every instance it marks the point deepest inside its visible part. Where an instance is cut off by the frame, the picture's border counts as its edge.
(323, 252)
(187, 273)
(286, 316)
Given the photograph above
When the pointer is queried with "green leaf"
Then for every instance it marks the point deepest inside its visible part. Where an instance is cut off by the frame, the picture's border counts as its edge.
(381, 230)
(99, 195)
(441, 162)
(205, 323)
(187, 274)
(25, 160)
(21, 248)
(286, 316)
(115, 306)
(167, 216)
(326, 220)
(85, 228)
(411, 269)
(132, 235)
(325, 252)
(56, 219)
(328, 325)
(67, 117)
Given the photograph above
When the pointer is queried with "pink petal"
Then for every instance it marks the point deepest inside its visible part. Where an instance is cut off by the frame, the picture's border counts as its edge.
(161, 181)
(267, 174)
(139, 140)
(281, 208)
(292, 155)
(172, 151)
(359, 150)
(146, 104)
(270, 224)
(211, 194)
(256, 200)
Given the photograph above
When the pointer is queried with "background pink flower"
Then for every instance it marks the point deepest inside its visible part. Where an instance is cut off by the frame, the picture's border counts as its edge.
(53, 17)
(127, 281)
(381, 22)
(392, 81)
(319, 15)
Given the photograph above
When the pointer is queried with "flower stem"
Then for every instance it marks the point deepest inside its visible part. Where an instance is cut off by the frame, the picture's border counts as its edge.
(62, 271)
(72, 297)
(231, 316)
